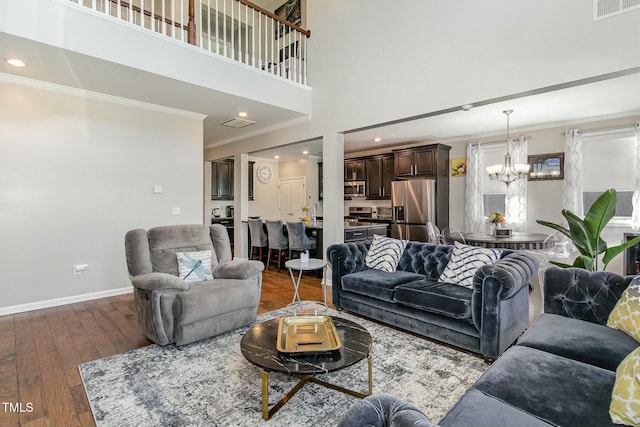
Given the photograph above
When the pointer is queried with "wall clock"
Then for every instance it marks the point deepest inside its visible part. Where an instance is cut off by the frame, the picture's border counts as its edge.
(264, 173)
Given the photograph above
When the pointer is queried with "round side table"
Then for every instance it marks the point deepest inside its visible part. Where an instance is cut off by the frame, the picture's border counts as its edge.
(311, 265)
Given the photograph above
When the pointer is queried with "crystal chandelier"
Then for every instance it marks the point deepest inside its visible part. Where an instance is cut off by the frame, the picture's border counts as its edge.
(508, 172)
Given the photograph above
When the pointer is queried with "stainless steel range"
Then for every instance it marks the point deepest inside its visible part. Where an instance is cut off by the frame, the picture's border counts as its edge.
(360, 212)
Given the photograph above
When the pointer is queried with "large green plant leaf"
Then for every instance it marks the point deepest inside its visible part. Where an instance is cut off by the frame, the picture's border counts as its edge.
(614, 251)
(586, 262)
(556, 227)
(579, 234)
(601, 212)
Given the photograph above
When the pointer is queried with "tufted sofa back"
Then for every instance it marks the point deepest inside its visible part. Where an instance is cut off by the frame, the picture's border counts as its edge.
(581, 294)
(428, 259)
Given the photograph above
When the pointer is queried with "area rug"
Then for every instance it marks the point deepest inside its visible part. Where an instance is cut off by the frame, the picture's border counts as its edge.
(210, 383)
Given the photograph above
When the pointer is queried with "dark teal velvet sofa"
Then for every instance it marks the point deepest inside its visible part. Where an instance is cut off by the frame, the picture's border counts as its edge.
(486, 319)
(561, 372)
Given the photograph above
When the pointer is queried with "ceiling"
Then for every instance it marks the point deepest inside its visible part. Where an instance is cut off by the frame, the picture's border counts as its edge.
(596, 99)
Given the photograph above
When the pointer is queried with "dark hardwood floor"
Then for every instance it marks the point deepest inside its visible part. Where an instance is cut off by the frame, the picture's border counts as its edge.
(40, 351)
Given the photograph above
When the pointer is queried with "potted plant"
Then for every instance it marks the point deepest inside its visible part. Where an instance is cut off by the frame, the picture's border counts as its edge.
(585, 233)
(496, 219)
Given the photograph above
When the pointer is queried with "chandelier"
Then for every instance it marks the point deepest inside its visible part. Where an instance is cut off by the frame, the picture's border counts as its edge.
(508, 172)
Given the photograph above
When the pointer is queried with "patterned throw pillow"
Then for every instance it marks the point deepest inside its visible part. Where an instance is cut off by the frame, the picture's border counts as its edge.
(194, 266)
(384, 253)
(464, 262)
(625, 316)
(625, 397)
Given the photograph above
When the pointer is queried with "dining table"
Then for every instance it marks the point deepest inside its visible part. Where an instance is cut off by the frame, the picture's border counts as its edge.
(518, 240)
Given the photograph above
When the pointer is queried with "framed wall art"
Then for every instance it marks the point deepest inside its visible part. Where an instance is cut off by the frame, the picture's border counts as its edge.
(546, 166)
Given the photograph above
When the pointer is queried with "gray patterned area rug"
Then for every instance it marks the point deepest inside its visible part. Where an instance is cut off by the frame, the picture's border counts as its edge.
(210, 383)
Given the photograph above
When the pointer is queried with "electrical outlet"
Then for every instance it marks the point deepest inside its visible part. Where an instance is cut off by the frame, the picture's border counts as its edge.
(80, 268)
(176, 211)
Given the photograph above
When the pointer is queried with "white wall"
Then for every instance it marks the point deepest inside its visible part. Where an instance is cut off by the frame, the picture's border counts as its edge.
(77, 172)
(265, 203)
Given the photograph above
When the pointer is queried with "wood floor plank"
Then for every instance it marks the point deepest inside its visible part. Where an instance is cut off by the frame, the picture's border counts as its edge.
(8, 388)
(61, 411)
(97, 335)
(24, 334)
(7, 323)
(69, 358)
(110, 330)
(30, 387)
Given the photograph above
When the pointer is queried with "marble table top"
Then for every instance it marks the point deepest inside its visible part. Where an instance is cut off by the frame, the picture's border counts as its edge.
(258, 346)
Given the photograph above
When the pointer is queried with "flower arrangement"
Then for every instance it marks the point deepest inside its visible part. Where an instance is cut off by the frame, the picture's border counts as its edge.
(306, 217)
(495, 218)
(305, 209)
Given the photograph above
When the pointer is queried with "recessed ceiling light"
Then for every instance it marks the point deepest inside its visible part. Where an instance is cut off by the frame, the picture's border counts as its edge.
(466, 107)
(15, 62)
(305, 152)
(276, 157)
(242, 114)
(377, 139)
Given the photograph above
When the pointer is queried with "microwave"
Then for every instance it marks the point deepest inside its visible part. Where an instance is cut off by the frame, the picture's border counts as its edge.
(354, 189)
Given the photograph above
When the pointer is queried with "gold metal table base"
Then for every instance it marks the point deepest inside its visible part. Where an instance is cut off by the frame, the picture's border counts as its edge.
(268, 413)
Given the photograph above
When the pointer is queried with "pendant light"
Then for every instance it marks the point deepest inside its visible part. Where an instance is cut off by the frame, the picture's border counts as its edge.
(508, 172)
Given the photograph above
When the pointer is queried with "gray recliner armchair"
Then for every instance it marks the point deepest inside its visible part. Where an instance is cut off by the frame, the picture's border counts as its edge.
(173, 310)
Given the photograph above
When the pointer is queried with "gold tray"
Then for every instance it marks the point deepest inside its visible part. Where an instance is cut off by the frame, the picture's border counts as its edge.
(307, 334)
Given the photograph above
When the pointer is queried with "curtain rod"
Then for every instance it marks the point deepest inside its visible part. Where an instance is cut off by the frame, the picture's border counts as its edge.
(617, 129)
(501, 142)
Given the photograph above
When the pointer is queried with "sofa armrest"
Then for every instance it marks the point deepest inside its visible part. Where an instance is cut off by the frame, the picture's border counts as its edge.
(380, 410)
(582, 294)
(345, 258)
(158, 281)
(238, 269)
(500, 301)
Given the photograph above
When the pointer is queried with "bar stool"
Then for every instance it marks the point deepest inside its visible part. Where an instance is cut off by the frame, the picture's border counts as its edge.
(277, 241)
(258, 237)
(298, 239)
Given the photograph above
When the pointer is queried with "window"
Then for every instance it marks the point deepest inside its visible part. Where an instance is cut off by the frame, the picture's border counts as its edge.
(609, 162)
(493, 192)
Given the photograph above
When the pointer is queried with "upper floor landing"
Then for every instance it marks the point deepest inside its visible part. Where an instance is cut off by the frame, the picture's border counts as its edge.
(213, 57)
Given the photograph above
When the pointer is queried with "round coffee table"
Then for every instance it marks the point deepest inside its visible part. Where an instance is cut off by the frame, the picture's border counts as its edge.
(258, 345)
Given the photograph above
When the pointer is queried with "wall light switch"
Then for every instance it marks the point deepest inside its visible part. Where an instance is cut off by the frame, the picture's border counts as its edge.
(176, 211)
(157, 189)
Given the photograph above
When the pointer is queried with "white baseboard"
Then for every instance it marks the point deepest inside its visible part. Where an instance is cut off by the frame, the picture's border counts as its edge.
(38, 305)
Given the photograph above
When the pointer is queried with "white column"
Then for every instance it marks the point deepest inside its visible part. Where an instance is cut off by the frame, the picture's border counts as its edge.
(241, 204)
(333, 189)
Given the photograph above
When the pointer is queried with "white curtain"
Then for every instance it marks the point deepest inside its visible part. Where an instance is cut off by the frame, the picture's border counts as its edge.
(635, 216)
(474, 219)
(572, 194)
(516, 197)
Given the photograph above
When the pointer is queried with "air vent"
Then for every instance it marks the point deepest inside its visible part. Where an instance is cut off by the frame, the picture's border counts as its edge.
(607, 8)
(237, 123)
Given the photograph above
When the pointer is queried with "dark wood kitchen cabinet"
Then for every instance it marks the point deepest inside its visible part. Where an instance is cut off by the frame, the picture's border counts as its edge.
(421, 162)
(354, 170)
(320, 183)
(222, 179)
(379, 172)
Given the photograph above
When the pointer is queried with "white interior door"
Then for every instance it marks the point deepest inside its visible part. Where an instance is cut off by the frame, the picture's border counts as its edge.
(292, 197)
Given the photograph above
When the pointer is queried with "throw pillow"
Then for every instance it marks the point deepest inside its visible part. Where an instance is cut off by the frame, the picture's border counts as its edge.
(194, 266)
(384, 253)
(625, 397)
(464, 262)
(625, 316)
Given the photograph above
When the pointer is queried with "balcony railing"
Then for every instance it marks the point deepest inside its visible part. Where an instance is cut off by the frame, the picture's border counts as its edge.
(236, 29)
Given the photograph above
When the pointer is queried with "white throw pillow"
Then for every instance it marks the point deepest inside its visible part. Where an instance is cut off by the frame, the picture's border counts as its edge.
(384, 253)
(194, 266)
(464, 262)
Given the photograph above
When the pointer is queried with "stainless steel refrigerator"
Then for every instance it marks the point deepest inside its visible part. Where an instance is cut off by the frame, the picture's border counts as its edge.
(414, 204)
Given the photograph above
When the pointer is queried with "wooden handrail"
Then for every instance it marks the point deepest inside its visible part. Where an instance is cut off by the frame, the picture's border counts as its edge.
(277, 18)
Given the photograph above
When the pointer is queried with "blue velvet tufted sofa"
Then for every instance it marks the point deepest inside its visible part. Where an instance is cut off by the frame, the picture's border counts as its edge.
(486, 319)
(560, 373)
